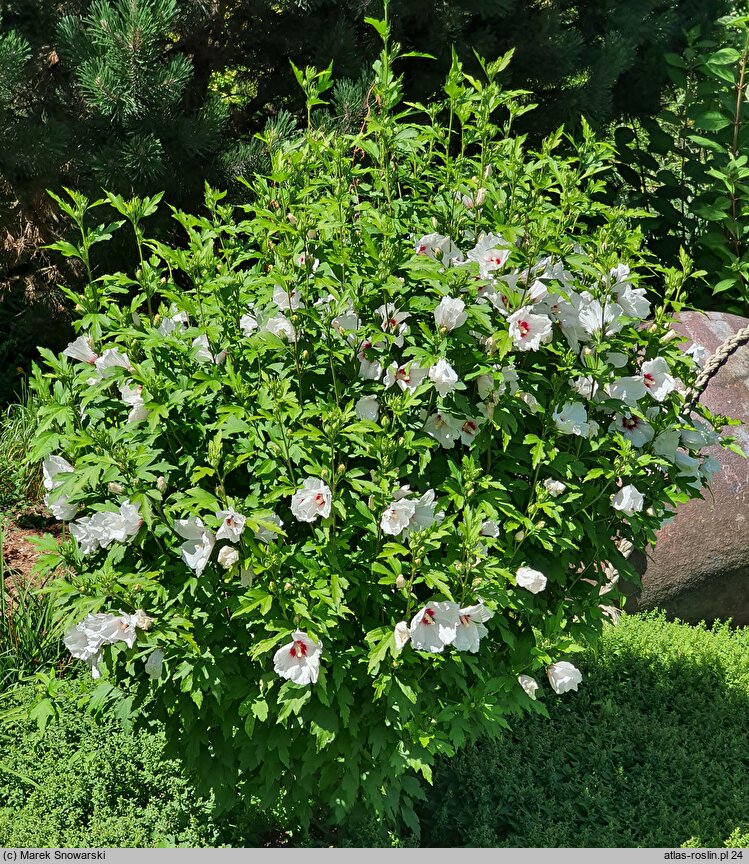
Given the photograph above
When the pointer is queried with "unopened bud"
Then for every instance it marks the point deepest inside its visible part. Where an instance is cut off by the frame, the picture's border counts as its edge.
(161, 483)
(669, 336)
(400, 582)
(417, 562)
(653, 328)
(228, 557)
(292, 218)
(520, 536)
(488, 171)
(271, 585)
(587, 351)
(477, 582)
(311, 234)
(136, 318)
(305, 353)
(288, 587)
(143, 621)
(116, 488)
(221, 358)
(443, 330)
(371, 502)
(341, 469)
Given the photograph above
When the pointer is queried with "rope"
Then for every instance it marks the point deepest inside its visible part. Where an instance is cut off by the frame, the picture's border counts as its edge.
(716, 362)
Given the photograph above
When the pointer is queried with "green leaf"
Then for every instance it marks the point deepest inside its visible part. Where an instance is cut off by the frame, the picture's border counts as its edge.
(42, 713)
(711, 120)
(260, 709)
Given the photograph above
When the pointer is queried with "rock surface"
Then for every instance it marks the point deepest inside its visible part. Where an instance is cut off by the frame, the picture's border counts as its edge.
(699, 569)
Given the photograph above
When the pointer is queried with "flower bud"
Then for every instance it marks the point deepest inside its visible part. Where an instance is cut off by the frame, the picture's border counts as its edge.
(271, 585)
(488, 171)
(228, 557)
(477, 582)
(417, 562)
(341, 469)
(311, 234)
(136, 318)
(669, 336)
(520, 536)
(292, 218)
(143, 621)
(116, 488)
(305, 353)
(400, 582)
(161, 483)
(288, 587)
(587, 351)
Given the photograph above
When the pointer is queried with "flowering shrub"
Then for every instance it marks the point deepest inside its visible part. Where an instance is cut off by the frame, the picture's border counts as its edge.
(348, 475)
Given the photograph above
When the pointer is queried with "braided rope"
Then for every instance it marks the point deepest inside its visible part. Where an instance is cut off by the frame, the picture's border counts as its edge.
(716, 362)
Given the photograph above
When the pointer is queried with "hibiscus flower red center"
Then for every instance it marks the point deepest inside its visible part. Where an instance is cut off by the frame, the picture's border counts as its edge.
(470, 426)
(465, 620)
(649, 379)
(298, 649)
(319, 499)
(524, 327)
(428, 617)
(629, 422)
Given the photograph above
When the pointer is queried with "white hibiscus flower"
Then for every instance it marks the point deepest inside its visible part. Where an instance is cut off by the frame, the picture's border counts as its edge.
(299, 660)
(529, 331)
(470, 629)
(312, 500)
(434, 626)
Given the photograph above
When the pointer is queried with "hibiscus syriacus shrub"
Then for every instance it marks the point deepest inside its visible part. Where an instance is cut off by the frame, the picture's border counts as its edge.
(350, 473)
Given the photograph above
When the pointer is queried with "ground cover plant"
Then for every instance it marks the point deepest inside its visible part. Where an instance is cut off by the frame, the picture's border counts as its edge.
(650, 753)
(350, 476)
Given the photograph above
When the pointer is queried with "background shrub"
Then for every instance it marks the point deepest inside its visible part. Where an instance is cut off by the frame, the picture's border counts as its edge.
(686, 166)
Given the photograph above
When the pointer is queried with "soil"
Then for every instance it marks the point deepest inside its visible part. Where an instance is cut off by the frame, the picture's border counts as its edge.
(18, 555)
